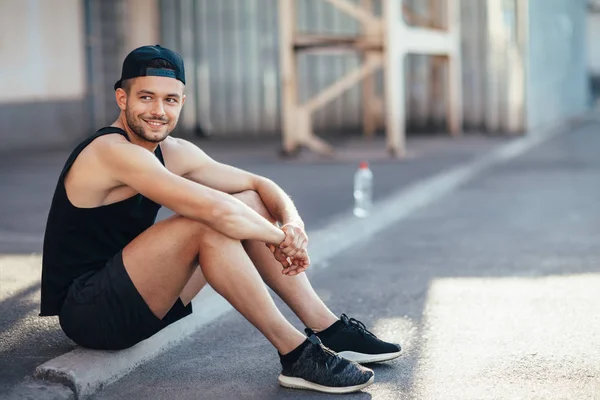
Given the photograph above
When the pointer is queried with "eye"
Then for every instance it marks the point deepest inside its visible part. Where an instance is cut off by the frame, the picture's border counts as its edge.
(146, 98)
(172, 100)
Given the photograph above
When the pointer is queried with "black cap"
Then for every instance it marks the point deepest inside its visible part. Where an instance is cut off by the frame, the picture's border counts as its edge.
(136, 64)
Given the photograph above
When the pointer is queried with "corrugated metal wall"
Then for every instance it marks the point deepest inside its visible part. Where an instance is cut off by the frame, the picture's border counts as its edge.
(474, 56)
(493, 38)
(425, 107)
(231, 53)
(504, 72)
(105, 39)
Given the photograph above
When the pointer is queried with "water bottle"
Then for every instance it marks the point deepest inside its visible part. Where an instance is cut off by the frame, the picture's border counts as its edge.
(363, 190)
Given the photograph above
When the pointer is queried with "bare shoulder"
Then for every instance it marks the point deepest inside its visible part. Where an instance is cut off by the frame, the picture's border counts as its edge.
(105, 144)
(182, 156)
(93, 156)
(117, 159)
(178, 146)
(91, 179)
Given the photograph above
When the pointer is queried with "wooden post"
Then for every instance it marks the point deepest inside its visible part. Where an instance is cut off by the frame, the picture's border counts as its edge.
(287, 24)
(384, 41)
(394, 79)
(343, 84)
(436, 82)
(434, 17)
(455, 99)
(357, 12)
(369, 96)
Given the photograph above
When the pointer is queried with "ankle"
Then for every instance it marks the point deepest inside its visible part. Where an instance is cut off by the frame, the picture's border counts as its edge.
(290, 344)
(323, 323)
(293, 355)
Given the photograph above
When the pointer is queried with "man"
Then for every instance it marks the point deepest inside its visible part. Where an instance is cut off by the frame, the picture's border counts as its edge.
(115, 277)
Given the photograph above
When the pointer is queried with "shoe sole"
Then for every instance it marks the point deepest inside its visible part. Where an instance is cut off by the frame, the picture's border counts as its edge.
(299, 383)
(362, 358)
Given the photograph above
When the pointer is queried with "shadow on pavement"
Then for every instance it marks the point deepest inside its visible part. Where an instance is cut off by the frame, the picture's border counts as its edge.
(27, 340)
(16, 307)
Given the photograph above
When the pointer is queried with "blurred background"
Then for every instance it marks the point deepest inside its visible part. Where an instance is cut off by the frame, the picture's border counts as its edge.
(525, 64)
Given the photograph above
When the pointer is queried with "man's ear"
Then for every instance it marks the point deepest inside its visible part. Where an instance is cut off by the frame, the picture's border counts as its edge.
(183, 100)
(121, 97)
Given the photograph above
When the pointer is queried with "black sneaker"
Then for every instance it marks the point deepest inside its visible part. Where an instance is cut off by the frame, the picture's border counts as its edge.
(317, 368)
(350, 339)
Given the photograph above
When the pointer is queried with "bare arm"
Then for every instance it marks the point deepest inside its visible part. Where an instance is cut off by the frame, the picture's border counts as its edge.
(279, 204)
(201, 168)
(139, 169)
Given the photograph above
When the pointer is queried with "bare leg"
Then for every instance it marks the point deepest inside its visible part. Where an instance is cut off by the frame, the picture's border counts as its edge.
(295, 291)
(231, 273)
(193, 286)
(162, 260)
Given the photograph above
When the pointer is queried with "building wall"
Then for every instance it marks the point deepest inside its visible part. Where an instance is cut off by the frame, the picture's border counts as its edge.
(557, 85)
(42, 73)
(593, 42)
(57, 78)
(593, 51)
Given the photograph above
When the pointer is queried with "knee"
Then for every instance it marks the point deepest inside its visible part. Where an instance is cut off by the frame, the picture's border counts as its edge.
(252, 199)
(200, 232)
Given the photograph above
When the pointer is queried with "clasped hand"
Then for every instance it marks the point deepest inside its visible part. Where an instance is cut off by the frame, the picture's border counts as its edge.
(291, 252)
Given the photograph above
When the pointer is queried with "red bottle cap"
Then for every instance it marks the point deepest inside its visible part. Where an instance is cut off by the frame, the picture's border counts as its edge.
(363, 165)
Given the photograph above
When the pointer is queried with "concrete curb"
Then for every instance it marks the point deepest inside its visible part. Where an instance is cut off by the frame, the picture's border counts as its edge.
(87, 371)
(32, 390)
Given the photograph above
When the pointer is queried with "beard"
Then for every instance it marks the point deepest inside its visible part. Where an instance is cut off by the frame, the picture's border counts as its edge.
(136, 124)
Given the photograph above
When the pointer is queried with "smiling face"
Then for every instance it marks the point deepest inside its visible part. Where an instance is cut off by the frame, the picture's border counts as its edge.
(151, 105)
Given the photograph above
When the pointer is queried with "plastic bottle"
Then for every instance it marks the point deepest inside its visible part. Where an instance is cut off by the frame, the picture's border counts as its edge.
(363, 190)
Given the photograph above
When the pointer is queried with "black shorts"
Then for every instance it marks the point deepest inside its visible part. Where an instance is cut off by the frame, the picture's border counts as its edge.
(103, 310)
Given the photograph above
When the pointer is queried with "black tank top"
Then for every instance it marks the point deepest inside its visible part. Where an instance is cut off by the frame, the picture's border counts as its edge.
(78, 241)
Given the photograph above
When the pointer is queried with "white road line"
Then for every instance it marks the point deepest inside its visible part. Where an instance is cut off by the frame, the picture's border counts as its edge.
(347, 231)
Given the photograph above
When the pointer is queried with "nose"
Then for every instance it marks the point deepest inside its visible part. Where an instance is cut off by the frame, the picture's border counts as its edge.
(157, 109)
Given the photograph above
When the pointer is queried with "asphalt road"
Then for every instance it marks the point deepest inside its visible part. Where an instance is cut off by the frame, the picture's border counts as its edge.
(492, 290)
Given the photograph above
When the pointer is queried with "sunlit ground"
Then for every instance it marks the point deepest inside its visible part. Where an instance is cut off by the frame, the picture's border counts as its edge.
(18, 272)
(504, 338)
(19, 291)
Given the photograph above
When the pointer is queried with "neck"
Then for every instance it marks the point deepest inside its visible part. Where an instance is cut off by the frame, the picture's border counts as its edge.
(121, 122)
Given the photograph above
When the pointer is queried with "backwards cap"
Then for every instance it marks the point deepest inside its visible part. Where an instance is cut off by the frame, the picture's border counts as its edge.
(136, 64)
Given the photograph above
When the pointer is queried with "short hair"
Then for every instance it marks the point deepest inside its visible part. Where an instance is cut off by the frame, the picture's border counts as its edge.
(158, 63)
